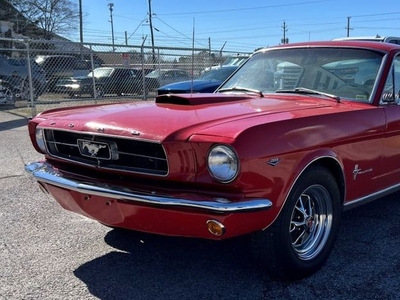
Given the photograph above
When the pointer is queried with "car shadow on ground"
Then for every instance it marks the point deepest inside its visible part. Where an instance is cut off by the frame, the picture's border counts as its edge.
(157, 267)
(363, 264)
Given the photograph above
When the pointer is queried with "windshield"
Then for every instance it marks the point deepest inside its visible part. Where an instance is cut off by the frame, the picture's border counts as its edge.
(344, 72)
(100, 72)
(235, 61)
(154, 74)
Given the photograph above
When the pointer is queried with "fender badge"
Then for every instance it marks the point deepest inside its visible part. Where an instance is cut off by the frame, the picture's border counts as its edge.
(357, 171)
(135, 132)
(274, 161)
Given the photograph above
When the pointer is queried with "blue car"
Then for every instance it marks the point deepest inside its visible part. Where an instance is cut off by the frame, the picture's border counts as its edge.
(206, 83)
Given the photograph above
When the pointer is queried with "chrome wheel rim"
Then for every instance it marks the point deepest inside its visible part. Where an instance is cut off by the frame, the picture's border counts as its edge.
(99, 92)
(311, 222)
(25, 91)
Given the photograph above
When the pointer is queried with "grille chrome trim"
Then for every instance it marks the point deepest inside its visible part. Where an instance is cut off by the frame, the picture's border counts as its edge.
(130, 155)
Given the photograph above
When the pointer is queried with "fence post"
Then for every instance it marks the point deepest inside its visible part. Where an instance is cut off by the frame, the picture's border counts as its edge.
(31, 96)
(93, 79)
(144, 96)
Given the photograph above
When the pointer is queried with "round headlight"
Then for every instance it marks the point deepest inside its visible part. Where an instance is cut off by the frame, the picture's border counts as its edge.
(223, 163)
(40, 139)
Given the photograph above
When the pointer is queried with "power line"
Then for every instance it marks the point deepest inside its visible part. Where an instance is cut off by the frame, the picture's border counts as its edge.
(243, 9)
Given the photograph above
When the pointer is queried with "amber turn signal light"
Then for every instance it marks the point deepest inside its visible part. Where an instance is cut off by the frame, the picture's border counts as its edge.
(215, 227)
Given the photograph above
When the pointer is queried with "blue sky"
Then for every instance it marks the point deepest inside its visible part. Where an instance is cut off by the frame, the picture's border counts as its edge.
(240, 26)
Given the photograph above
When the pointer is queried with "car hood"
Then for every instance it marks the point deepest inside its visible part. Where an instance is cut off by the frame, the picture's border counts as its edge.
(195, 86)
(174, 117)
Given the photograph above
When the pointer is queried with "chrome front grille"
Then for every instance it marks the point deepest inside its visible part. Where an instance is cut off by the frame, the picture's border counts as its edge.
(107, 152)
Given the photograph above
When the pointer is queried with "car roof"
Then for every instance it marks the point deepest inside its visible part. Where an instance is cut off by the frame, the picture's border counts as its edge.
(376, 38)
(227, 67)
(339, 43)
(55, 55)
(170, 70)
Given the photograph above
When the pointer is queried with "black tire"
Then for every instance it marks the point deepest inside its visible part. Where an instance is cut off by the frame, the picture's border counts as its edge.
(25, 92)
(6, 95)
(98, 92)
(301, 239)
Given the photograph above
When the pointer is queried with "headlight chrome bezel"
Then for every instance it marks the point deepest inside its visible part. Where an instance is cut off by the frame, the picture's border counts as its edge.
(40, 140)
(223, 163)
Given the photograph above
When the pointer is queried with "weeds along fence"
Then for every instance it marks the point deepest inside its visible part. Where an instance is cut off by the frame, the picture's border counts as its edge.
(39, 71)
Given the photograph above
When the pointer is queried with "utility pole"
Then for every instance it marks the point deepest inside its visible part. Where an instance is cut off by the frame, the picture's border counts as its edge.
(81, 27)
(111, 5)
(348, 26)
(80, 22)
(285, 40)
(151, 32)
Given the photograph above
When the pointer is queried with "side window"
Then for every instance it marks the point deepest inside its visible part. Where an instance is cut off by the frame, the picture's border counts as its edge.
(132, 74)
(169, 74)
(391, 91)
(125, 73)
(121, 73)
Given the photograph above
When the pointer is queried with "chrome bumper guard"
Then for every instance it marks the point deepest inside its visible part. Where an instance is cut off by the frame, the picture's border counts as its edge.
(44, 172)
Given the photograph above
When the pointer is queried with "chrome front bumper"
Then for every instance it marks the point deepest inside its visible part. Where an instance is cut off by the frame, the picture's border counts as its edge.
(44, 172)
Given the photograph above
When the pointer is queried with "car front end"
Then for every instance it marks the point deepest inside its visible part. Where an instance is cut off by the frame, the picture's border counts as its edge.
(276, 152)
(131, 177)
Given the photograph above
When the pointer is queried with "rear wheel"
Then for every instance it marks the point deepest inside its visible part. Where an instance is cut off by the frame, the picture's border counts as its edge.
(300, 241)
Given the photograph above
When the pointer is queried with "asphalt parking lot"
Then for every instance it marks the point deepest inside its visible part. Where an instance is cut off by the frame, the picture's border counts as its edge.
(49, 253)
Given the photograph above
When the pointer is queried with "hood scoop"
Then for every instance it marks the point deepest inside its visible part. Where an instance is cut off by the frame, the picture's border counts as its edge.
(199, 98)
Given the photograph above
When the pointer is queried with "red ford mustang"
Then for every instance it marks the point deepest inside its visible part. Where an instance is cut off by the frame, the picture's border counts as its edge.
(297, 134)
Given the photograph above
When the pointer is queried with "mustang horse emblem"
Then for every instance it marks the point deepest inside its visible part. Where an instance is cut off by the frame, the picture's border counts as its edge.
(92, 148)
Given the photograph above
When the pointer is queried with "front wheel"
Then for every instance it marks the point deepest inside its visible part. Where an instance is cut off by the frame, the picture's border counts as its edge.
(98, 92)
(301, 239)
(6, 95)
(25, 93)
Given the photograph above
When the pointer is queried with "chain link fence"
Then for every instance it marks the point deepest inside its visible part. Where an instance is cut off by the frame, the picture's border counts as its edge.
(34, 72)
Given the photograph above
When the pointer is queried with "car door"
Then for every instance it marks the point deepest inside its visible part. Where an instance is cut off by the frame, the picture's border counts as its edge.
(136, 81)
(390, 101)
(117, 81)
(168, 77)
(182, 76)
(124, 81)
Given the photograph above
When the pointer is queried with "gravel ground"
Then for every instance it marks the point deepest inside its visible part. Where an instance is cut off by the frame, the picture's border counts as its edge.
(49, 253)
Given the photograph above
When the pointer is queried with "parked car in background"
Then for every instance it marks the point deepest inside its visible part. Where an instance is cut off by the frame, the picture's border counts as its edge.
(7, 93)
(18, 67)
(206, 83)
(233, 60)
(56, 67)
(84, 67)
(102, 81)
(15, 88)
(276, 154)
(160, 77)
(377, 38)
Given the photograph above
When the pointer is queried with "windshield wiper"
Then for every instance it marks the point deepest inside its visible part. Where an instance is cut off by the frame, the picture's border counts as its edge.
(241, 89)
(302, 90)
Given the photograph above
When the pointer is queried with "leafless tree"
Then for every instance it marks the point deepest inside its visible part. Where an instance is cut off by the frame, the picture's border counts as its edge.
(51, 16)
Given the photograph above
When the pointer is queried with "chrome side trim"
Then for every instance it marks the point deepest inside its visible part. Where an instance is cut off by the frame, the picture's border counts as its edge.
(44, 172)
(372, 197)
